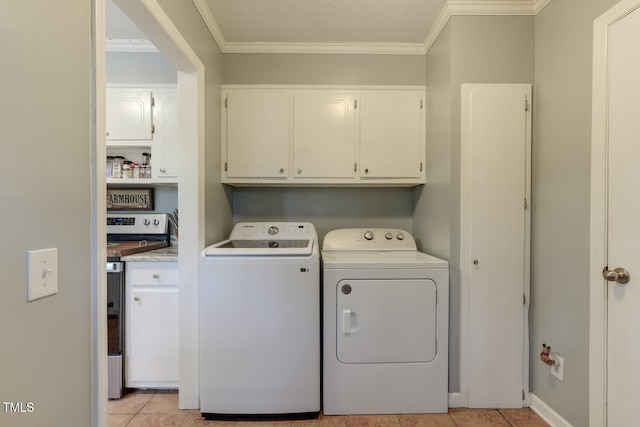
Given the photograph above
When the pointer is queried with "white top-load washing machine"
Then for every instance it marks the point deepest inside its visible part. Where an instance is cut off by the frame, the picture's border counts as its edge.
(259, 316)
(385, 332)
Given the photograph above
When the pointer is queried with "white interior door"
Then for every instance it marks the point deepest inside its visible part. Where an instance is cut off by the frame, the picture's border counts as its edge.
(623, 338)
(495, 243)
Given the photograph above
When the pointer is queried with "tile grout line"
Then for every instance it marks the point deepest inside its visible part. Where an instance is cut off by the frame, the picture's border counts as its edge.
(504, 418)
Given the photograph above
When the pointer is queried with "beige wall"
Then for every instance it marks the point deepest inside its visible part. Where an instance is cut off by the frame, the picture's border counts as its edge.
(186, 18)
(324, 69)
(45, 202)
(470, 49)
(561, 197)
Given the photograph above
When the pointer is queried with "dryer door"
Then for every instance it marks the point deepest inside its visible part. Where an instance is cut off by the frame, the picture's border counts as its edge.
(386, 321)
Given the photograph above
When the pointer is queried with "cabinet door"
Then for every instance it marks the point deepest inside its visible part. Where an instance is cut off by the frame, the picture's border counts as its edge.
(129, 114)
(324, 134)
(392, 129)
(153, 341)
(258, 134)
(494, 257)
(165, 147)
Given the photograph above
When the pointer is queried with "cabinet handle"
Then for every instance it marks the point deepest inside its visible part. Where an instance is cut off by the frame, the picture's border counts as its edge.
(156, 276)
(281, 170)
(366, 170)
(299, 171)
(136, 298)
(163, 170)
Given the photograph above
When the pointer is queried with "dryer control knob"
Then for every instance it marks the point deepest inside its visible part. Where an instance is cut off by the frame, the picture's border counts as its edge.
(273, 230)
(388, 236)
(368, 235)
(400, 236)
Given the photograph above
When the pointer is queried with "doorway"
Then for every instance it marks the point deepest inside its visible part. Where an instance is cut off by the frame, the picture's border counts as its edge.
(614, 210)
(157, 26)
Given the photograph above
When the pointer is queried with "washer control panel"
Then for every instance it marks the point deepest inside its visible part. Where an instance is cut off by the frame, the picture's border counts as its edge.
(272, 230)
(374, 239)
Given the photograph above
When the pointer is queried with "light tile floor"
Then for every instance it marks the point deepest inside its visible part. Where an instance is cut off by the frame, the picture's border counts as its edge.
(160, 409)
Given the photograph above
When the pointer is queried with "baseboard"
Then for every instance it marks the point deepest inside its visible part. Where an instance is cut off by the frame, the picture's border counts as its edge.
(456, 400)
(545, 412)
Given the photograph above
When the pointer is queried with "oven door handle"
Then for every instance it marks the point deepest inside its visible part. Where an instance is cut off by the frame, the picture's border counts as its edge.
(114, 267)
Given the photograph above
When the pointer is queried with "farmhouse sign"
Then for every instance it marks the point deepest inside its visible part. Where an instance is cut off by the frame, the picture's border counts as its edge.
(120, 199)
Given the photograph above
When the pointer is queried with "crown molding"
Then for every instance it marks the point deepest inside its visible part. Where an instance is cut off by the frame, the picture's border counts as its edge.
(451, 8)
(485, 8)
(211, 23)
(336, 48)
(131, 46)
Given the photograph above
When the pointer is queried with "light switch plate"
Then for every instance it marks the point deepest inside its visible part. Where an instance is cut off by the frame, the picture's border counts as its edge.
(42, 273)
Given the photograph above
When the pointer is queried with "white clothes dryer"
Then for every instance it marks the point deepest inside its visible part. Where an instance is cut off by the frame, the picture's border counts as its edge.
(385, 316)
(259, 313)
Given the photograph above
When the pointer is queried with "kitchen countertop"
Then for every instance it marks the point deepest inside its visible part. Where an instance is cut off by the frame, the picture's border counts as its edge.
(168, 254)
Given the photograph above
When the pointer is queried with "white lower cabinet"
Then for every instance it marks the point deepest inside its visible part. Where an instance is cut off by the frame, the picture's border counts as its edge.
(152, 348)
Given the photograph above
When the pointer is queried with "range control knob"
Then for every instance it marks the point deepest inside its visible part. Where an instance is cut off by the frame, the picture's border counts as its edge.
(400, 236)
(156, 222)
(146, 221)
(368, 235)
(388, 236)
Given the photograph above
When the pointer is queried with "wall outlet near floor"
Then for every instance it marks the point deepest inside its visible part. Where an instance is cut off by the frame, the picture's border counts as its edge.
(557, 369)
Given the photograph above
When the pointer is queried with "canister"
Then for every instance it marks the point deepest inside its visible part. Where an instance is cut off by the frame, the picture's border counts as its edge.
(127, 172)
(109, 166)
(116, 168)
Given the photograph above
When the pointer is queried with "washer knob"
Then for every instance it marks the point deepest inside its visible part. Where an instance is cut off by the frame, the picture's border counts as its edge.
(388, 236)
(368, 235)
(273, 230)
(400, 236)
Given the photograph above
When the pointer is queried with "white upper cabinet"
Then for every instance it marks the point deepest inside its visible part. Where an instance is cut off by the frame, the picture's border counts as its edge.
(323, 136)
(257, 131)
(165, 148)
(392, 134)
(144, 120)
(129, 114)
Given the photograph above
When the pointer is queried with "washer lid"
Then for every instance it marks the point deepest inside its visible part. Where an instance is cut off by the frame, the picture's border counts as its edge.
(260, 248)
(267, 239)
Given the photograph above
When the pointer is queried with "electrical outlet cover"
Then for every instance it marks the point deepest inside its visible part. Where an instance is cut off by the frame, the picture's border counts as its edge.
(42, 273)
(557, 369)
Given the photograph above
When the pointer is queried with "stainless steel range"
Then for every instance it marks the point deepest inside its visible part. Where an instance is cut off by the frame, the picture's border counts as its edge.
(127, 234)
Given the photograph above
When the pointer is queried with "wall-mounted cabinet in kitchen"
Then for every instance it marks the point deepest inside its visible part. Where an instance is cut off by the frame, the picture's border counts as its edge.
(307, 135)
(129, 114)
(143, 120)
